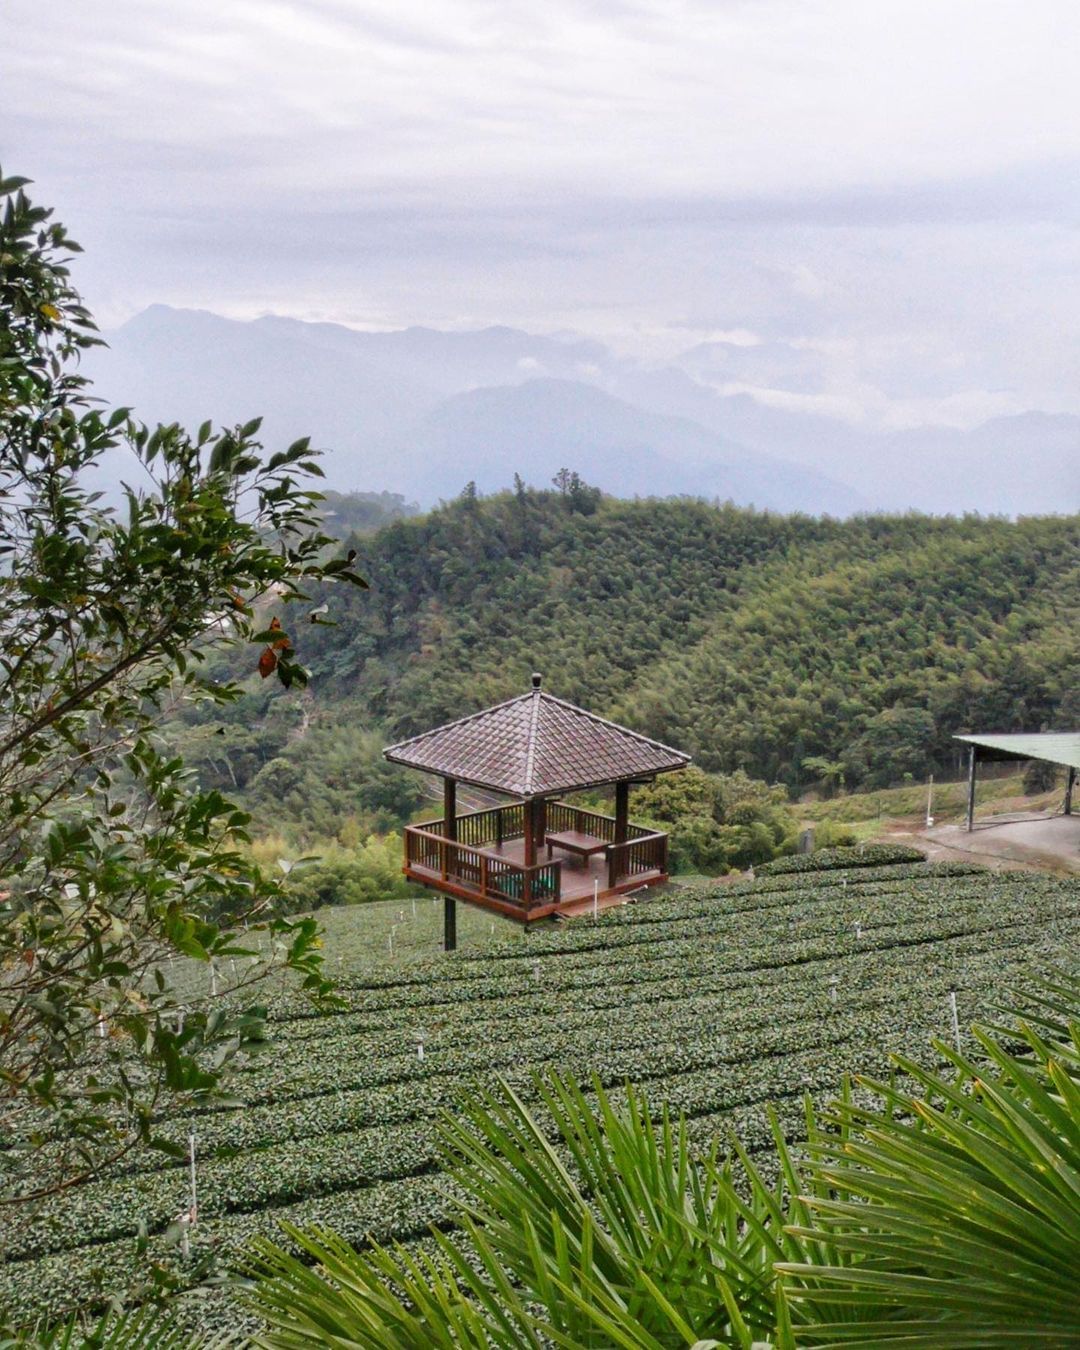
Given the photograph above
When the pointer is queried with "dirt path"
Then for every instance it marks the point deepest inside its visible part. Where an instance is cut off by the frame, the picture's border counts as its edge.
(1020, 841)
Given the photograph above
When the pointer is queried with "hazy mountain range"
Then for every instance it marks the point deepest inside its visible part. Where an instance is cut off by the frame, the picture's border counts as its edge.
(421, 412)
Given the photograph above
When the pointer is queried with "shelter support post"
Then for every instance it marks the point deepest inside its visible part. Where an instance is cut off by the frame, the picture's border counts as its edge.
(449, 924)
(971, 789)
(449, 821)
(450, 808)
(1070, 783)
(622, 812)
(531, 816)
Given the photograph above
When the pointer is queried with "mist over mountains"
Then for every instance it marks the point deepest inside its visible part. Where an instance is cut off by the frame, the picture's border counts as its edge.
(421, 412)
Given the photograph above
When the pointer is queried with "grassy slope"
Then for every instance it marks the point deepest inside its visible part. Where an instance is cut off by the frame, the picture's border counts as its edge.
(717, 999)
(907, 805)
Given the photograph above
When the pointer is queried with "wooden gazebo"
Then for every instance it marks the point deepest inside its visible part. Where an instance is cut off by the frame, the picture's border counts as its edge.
(535, 856)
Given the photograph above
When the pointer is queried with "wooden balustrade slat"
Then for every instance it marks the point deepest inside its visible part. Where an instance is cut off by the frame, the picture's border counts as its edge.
(469, 863)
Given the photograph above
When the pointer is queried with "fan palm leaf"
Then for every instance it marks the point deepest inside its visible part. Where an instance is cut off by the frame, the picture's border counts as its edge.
(937, 1209)
(960, 1218)
(613, 1235)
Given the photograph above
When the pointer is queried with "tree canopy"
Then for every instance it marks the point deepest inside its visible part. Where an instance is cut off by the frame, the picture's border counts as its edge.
(114, 863)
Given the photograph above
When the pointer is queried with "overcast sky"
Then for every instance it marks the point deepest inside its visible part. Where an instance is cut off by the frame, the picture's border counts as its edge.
(881, 198)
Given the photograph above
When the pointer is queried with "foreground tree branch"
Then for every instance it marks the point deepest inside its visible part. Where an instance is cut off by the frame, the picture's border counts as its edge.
(115, 864)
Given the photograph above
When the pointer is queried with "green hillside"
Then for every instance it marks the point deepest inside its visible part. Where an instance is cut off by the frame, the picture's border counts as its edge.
(718, 1000)
(806, 652)
(752, 640)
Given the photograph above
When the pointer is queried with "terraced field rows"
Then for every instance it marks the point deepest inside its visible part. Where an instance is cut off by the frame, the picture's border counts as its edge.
(719, 1000)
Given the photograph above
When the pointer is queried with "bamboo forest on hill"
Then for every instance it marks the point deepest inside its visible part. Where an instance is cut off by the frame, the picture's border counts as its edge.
(785, 646)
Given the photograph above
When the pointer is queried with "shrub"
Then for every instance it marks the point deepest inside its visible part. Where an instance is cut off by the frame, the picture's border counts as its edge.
(1039, 776)
(718, 821)
(372, 871)
(826, 859)
(831, 834)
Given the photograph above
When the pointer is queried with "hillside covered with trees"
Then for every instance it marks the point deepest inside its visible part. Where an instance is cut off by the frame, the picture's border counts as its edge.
(807, 652)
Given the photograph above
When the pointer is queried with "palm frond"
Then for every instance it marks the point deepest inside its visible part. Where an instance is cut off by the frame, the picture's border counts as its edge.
(150, 1327)
(954, 1203)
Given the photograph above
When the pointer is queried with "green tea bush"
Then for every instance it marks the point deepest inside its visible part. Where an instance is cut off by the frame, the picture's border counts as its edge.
(720, 999)
(827, 859)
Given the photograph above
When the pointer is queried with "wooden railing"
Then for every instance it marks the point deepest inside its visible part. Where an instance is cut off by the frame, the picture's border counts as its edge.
(562, 816)
(471, 861)
(645, 853)
(480, 828)
(482, 870)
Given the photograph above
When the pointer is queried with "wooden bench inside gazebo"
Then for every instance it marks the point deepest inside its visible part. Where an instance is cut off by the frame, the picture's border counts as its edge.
(536, 855)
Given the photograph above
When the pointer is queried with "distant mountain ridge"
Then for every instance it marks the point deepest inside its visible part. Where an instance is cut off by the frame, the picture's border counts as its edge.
(542, 425)
(422, 411)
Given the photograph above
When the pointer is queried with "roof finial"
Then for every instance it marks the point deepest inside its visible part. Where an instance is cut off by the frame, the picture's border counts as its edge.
(537, 680)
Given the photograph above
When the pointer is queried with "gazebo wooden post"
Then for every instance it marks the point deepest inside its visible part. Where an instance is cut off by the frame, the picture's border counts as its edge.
(622, 812)
(622, 823)
(1070, 782)
(530, 820)
(449, 835)
(971, 790)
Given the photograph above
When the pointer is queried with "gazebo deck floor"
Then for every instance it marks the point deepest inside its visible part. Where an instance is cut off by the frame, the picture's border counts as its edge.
(578, 878)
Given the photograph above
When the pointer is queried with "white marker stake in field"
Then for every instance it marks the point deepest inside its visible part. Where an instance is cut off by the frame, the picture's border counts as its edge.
(191, 1168)
(858, 931)
(955, 1021)
(189, 1217)
(536, 970)
(420, 1045)
(390, 939)
(930, 802)
(834, 981)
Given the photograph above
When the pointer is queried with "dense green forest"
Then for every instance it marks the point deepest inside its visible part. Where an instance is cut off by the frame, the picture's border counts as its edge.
(804, 651)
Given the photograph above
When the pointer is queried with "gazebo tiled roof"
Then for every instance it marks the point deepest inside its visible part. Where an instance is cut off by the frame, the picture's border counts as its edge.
(534, 746)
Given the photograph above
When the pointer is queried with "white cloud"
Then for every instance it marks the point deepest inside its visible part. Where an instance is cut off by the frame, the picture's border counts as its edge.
(847, 409)
(891, 184)
(443, 96)
(734, 337)
(807, 284)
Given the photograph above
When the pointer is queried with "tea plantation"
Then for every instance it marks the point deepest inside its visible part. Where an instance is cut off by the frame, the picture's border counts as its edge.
(718, 999)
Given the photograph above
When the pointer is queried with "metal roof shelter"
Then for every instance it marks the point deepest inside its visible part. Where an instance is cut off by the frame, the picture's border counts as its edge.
(534, 748)
(1055, 747)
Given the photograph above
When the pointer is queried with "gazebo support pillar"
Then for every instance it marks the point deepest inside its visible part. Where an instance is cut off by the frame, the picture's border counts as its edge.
(449, 797)
(1070, 783)
(622, 812)
(449, 833)
(971, 790)
(449, 924)
(533, 832)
